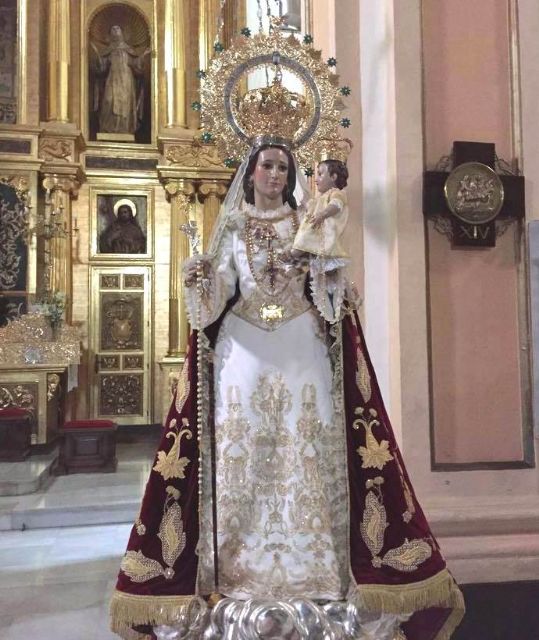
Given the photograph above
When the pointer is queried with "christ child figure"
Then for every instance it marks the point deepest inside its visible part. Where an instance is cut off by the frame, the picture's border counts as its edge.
(323, 225)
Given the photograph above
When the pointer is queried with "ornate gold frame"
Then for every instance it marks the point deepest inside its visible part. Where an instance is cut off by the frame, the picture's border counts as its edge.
(150, 211)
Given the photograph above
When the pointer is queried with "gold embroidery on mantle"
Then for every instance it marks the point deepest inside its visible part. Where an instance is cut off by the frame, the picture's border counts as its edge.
(375, 454)
(135, 564)
(172, 535)
(170, 465)
(182, 386)
(409, 499)
(140, 527)
(409, 555)
(363, 379)
(139, 568)
(374, 521)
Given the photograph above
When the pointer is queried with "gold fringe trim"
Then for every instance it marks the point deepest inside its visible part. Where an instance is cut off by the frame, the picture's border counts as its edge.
(127, 611)
(438, 591)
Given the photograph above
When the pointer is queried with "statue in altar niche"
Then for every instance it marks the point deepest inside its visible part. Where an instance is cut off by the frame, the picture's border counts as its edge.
(119, 76)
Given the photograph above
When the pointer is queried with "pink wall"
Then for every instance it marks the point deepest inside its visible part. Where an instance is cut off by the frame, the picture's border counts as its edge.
(473, 294)
(474, 350)
(467, 74)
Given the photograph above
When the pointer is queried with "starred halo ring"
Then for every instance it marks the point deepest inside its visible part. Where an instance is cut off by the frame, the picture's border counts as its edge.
(224, 80)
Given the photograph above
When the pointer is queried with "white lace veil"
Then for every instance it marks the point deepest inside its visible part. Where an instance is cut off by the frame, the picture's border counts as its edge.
(234, 200)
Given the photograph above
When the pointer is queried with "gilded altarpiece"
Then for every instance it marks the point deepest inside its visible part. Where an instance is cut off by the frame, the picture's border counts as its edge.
(39, 389)
(121, 343)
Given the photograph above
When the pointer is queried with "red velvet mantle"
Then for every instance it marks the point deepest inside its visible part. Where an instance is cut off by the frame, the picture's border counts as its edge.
(396, 564)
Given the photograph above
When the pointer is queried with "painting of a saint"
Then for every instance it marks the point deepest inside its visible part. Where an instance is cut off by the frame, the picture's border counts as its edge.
(121, 230)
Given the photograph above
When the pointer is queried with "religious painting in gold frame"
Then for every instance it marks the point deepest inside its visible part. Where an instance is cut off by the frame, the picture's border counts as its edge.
(121, 224)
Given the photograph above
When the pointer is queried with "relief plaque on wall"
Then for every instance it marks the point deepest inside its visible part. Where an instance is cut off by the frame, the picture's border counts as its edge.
(121, 322)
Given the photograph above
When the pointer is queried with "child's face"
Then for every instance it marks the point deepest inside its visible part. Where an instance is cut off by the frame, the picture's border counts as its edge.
(323, 180)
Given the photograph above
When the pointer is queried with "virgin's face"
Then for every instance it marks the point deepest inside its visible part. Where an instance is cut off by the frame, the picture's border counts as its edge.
(271, 173)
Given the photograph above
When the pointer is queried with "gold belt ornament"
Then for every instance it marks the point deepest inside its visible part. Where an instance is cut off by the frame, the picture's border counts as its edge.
(269, 314)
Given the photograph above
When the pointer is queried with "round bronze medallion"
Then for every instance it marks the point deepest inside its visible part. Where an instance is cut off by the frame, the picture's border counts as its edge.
(474, 193)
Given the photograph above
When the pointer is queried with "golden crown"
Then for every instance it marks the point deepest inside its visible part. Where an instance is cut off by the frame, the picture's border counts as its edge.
(273, 110)
(335, 149)
(303, 117)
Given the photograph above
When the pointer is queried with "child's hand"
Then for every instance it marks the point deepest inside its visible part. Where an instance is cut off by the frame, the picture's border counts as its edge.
(317, 218)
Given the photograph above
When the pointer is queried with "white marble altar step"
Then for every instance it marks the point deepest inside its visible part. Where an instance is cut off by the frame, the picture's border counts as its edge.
(86, 498)
(29, 476)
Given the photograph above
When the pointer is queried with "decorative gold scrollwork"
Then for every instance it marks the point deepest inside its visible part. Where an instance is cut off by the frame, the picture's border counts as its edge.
(121, 394)
(196, 154)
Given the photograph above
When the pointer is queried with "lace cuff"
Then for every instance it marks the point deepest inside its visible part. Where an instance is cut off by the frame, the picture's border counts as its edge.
(327, 290)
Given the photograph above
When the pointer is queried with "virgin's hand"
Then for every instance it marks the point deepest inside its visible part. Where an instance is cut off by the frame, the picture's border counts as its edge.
(294, 259)
(191, 268)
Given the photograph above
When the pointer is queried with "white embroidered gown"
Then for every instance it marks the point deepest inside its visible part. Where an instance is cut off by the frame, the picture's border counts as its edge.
(281, 487)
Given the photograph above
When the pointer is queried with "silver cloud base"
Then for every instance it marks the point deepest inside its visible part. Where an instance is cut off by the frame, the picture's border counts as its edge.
(288, 619)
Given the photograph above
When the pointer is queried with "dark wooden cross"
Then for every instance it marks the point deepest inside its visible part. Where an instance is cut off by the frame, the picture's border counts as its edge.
(465, 234)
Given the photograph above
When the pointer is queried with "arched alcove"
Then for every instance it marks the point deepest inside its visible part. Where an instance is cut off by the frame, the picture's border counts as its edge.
(119, 75)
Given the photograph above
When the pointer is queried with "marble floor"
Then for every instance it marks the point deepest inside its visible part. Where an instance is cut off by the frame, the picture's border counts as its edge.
(85, 499)
(56, 583)
(57, 573)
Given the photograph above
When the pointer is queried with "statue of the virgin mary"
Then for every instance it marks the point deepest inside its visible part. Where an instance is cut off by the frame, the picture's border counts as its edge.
(278, 505)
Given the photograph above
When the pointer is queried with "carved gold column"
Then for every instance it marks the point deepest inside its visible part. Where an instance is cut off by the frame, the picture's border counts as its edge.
(176, 33)
(235, 18)
(211, 194)
(59, 60)
(60, 189)
(179, 192)
(208, 14)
